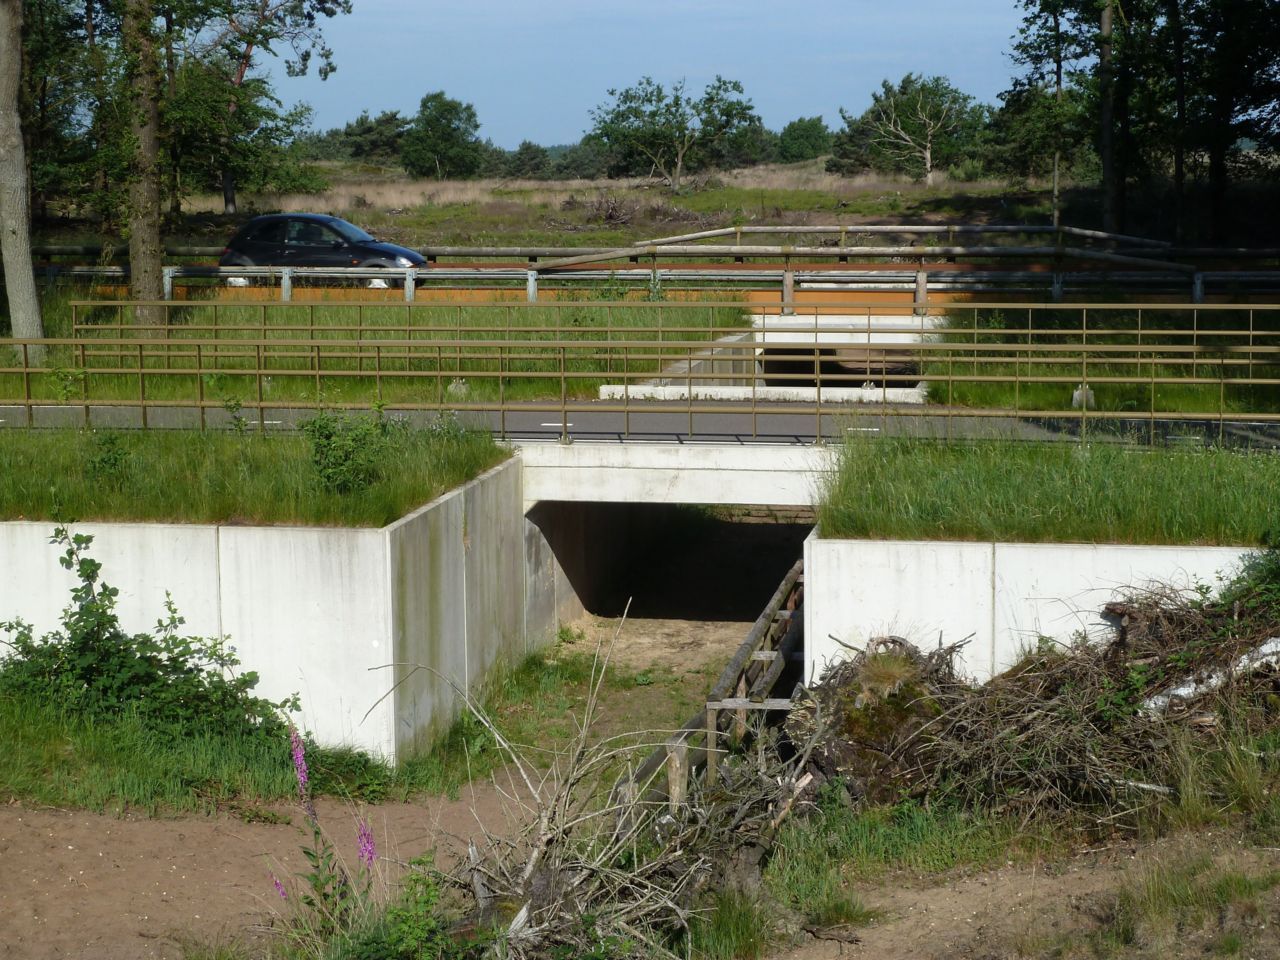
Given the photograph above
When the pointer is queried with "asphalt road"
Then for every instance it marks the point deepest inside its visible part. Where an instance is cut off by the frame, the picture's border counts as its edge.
(654, 421)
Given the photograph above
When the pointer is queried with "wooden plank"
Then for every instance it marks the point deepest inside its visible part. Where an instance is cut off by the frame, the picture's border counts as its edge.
(789, 645)
(742, 703)
(764, 655)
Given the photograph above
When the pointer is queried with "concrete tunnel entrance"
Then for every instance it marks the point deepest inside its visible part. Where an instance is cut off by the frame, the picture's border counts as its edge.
(673, 561)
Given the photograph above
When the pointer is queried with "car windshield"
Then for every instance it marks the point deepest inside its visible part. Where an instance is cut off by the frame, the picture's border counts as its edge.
(350, 232)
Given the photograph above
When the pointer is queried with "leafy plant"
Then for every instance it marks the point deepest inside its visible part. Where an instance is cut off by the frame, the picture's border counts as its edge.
(349, 452)
(176, 684)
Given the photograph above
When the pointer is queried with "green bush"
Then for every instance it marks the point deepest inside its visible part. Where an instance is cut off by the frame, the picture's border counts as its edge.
(349, 452)
(173, 684)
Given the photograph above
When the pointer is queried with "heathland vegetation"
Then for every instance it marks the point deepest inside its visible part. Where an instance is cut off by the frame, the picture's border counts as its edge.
(1160, 118)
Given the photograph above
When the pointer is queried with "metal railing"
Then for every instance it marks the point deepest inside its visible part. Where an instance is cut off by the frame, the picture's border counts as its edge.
(1076, 368)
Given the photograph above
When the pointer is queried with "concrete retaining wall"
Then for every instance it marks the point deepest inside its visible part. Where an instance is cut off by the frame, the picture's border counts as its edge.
(458, 587)
(1003, 595)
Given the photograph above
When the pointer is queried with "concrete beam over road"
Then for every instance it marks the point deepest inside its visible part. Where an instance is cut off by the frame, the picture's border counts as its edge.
(777, 475)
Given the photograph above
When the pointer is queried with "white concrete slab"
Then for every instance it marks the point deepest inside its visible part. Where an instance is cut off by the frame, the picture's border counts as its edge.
(674, 473)
(1006, 595)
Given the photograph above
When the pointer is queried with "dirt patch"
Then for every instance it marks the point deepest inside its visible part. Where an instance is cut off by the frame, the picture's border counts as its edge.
(1041, 909)
(80, 884)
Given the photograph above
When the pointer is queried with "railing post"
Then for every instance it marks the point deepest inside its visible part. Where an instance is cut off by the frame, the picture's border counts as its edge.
(788, 290)
(531, 286)
(713, 756)
(922, 292)
(410, 284)
(166, 274)
(286, 283)
(26, 382)
(1197, 287)
(1056, 288)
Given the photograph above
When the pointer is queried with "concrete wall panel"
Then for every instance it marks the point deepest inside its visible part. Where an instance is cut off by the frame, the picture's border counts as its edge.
(141, 560)
(428, 621)
(1058, 589)
(309, 610)
(493, 550)
(855, 590)
(1005, 595)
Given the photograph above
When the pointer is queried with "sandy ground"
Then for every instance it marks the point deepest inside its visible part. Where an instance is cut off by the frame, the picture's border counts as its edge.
(82, 885)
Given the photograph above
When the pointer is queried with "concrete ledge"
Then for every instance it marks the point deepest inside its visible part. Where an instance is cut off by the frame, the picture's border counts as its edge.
(829, 395)
(338, 615)
(674, 473)
(1004, 596)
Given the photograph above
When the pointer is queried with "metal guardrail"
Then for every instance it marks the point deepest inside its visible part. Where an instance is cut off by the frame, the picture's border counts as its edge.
(1217, 364)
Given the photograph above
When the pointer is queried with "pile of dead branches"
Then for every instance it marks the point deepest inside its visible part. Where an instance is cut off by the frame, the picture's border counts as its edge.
(598, 859)
(1097, 727)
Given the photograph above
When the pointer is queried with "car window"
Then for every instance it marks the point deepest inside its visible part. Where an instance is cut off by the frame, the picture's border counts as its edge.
(308, 234)
(270, 232)
(353, 233)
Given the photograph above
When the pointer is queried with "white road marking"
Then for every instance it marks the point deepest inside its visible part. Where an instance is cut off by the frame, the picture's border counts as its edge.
(556, 424)
(861, 429)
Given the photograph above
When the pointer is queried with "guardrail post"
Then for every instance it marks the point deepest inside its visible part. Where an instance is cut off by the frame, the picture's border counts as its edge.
(788, 290)
(166, 274)
(1197, 287)
(410, 283)
(531, 286)
(922, 292)
(286, 283)
(1056, 288)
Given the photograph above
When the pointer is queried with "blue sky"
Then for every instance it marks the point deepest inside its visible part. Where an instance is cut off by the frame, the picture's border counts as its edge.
(535, 70)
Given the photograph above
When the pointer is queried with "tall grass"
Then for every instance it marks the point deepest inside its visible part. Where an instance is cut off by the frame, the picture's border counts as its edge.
(355, 353)
(917, 489)
(188, 476)
(1134, 361)
(1169, 900)
(61, 759)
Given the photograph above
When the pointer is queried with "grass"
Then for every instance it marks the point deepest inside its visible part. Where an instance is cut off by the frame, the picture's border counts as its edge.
(913, 489)
(816, 856)
(1148, 375)
(1169, 901)
(433, 353)
(535, 705)
(736, 927)
(188, 476)
(58, 759)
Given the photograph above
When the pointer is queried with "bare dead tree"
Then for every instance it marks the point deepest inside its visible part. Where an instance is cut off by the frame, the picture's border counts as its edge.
(912, 134)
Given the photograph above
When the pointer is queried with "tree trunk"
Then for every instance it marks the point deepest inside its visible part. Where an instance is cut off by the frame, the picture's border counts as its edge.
(1106, 131)
(1180, 114)
(927, 157)
(229, 189)
(15, 212)
(145, 274)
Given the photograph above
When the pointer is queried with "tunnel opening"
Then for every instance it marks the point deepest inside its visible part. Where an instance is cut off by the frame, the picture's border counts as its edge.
(837, 366)
(671, 561)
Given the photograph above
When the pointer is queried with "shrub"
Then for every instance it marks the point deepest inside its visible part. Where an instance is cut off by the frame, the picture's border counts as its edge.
(173, 683)
(349, 452)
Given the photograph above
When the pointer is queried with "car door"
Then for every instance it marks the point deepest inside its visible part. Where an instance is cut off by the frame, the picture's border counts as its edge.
(313, 244)
(265, 246)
